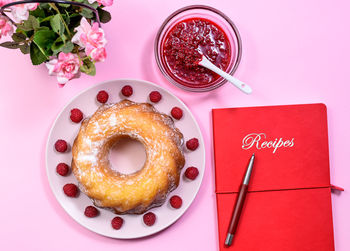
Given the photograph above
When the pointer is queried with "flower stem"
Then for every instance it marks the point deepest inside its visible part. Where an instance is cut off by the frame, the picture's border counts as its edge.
(53, 6)
(80, 60)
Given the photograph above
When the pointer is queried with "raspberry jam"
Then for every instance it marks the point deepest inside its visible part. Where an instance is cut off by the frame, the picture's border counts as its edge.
(183, 46)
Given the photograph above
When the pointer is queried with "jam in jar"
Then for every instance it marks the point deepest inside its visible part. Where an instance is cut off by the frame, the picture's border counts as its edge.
(184, 45)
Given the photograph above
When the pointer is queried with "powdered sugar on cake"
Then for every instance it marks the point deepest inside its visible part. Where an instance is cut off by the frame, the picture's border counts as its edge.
(147, 188)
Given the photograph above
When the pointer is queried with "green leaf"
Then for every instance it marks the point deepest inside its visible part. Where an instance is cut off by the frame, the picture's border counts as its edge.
(57, 45)
(44, 40)
(44, 6)
(34, 22)
(19, 37)
(10, 45)
(26, 33)
(43, 28)
(87, 13)
(64, 38)
(24, 48)
(74, 15)
(57, 24)
(38, 12)
(66, 17)
(46, 19)
(36, 55)
(64, 5)
(68, 47)
(21, 27)
(94, 4)
(88, 67)
(30, 24)
(105, 16)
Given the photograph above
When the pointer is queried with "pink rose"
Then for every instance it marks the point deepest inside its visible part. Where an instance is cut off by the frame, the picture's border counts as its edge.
(102, 2)
(66, 67)
(3, 2)
(98, 54)
(87, 35)
(6, 27)
(31, 6)
(20, 12)
(92, 38)
(105, 2)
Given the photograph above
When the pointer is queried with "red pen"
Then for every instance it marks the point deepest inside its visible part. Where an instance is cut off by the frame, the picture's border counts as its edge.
(239, 203)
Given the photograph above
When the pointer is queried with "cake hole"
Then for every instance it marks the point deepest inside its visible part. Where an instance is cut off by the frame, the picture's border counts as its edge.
(127, 156)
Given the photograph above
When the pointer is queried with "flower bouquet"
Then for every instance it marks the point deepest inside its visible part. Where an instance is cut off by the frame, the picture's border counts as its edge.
(65, 35)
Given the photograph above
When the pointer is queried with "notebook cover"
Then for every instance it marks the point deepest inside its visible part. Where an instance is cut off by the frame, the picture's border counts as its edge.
(288, 206)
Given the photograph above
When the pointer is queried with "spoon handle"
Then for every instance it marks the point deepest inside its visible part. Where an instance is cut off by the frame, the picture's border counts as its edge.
(239, 84)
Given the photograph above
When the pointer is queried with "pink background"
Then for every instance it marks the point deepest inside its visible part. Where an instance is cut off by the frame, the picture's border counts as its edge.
(293, 52)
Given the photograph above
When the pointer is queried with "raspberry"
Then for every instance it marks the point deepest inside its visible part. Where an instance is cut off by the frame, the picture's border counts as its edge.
(91, 211)
(149, 219)
(176, 112)
(155, 96)
(191, 173)
(176, 201)
(117, 222)
(192, 144)
(102, 96)
(127, 91)
(76, 115)
(61, 146)
(62, 169)
(71, 190)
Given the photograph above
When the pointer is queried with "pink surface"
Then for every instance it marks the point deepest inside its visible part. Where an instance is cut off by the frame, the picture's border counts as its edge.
(295, 52)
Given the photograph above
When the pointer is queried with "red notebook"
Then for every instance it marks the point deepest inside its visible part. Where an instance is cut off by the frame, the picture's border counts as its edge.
(288, 205)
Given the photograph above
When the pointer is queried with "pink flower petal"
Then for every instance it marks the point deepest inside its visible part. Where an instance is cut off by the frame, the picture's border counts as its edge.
(65, 67)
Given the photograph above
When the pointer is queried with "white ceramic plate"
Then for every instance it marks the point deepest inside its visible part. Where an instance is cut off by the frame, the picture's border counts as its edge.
(133, 226)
